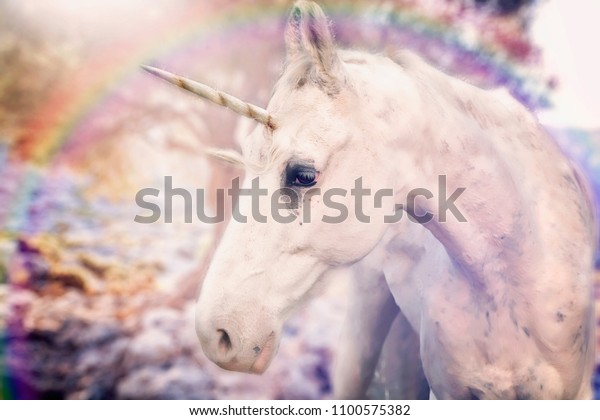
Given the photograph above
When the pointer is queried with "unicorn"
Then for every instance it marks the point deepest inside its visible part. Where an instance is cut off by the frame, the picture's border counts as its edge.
(499, 301)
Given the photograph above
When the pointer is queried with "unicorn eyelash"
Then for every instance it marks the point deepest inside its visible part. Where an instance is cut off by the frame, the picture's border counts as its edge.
(301, 175)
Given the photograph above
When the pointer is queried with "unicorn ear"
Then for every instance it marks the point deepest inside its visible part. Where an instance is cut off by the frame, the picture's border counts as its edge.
(308, 33)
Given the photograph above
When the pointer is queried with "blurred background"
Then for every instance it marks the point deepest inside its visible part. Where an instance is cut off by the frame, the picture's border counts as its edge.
(94, 305)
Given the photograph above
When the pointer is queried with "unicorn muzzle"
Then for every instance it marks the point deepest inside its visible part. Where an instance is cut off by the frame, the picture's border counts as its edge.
(229, 346)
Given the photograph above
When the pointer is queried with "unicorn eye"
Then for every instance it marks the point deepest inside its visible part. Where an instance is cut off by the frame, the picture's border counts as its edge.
(302, 176)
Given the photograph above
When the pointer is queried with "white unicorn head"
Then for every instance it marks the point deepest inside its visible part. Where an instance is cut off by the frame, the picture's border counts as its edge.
(312, 136)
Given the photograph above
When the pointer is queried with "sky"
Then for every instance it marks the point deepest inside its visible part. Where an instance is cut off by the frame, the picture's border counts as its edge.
(568, 31)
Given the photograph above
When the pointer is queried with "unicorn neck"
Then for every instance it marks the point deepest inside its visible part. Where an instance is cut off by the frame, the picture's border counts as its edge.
(480, 141)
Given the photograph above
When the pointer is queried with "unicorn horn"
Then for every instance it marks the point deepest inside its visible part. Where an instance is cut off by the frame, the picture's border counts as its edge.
(220, 98)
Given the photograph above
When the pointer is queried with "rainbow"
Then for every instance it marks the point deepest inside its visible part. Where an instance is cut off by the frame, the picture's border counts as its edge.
(51, 132)
(50, 129)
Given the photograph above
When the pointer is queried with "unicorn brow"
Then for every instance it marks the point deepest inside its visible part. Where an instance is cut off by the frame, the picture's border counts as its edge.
(220, 98)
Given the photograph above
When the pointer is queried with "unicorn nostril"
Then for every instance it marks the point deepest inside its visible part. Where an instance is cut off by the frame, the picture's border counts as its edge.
(224, 341)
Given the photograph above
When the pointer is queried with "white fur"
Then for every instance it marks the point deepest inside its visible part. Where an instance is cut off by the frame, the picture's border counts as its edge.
(502, 304)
